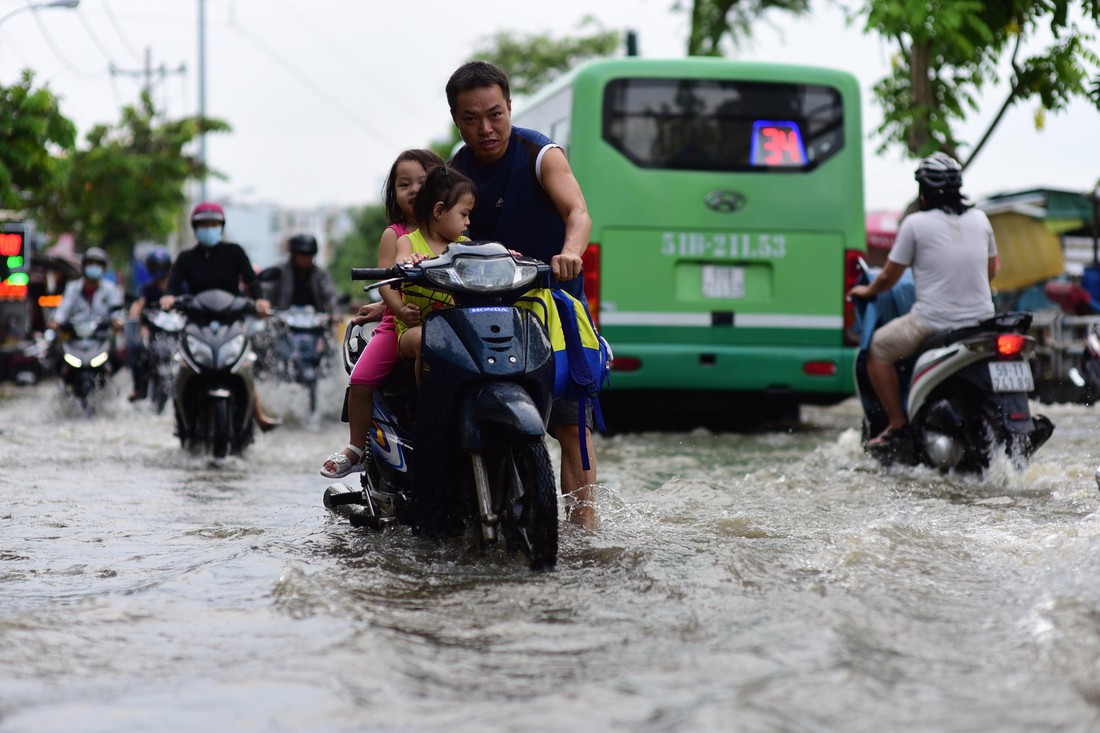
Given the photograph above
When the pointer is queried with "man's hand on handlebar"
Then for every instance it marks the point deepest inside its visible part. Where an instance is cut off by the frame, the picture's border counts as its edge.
(860, 292)
(566, 266)
(369, 312)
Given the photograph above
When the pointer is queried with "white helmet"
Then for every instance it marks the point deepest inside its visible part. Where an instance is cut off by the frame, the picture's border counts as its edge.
(939, 170)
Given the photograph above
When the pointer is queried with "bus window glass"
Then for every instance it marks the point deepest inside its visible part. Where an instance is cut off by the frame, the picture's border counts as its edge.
(698, 124)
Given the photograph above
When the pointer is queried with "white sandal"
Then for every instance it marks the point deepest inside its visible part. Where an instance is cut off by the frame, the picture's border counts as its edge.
(344, 466)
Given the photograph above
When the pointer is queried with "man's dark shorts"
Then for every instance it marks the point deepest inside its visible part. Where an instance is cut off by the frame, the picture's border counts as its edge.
(564, 412)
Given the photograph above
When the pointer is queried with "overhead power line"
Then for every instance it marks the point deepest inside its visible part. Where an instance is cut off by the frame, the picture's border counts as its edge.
(60, 56)
(314, 88)
(119, 32)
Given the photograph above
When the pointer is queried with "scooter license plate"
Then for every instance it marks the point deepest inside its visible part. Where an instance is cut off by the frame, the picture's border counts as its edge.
(723, 281)
(1011, 376)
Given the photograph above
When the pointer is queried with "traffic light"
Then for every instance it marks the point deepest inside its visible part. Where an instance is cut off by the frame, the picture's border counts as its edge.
(13, 261)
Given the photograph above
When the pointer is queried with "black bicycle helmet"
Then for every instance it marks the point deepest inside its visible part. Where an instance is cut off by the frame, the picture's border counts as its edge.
(939, 170)
(303, 244)
(158, 262)
(94, 254)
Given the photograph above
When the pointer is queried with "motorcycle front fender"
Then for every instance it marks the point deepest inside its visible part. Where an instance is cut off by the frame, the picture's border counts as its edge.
(506, 405)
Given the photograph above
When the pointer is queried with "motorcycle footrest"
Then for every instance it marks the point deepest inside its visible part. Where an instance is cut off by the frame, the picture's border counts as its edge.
(342, 495)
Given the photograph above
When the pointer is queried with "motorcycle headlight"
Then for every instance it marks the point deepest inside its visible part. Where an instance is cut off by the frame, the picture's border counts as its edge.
(98, 360)
(483, 274)
(72, 361)
(200, 351)
(231, 350)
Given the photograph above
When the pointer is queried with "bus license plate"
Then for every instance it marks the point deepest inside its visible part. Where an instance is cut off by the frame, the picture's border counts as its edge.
(1011, 376)
(721, 281)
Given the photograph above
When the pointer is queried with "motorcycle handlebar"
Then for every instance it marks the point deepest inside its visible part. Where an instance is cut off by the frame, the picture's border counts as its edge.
(374, 273)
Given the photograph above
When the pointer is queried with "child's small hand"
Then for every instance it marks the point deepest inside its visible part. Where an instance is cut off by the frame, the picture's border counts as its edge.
(415, 258)
(410, 314)
(517, 255)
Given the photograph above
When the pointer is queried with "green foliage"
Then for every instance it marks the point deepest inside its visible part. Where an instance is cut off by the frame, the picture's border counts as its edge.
(32, 132)
(715, 20)
(531, 61)
(127, 184)
(948, 52)
(358, 249)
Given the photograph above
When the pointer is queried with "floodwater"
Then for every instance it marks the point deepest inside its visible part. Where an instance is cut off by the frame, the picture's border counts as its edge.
(775, 581)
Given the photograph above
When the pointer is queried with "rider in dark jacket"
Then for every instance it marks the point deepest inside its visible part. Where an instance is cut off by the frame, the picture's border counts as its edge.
(300, 281)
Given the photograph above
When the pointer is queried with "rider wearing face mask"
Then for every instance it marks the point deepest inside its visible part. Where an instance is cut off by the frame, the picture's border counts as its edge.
(214, 264)
(91, 296)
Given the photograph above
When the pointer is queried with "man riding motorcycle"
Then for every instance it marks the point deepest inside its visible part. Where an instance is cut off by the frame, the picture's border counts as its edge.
(91, 297)
(158, 263)
(214, 264)
(300, 281)
(951, 248)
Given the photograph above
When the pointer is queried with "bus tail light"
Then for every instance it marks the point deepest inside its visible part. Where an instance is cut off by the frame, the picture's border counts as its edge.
(626, 364)
(852, 272)
(819, 368)
(590, 261)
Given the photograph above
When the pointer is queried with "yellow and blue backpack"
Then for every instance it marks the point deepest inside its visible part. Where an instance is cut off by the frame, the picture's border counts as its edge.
(582, 359)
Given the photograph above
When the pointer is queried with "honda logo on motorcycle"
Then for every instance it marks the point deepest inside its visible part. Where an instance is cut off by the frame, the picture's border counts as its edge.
(724, 201)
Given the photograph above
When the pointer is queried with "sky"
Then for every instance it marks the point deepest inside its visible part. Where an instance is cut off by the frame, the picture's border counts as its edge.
(323, 95)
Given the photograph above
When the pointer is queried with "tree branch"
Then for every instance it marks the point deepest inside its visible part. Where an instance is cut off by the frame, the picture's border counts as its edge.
(1013, 93)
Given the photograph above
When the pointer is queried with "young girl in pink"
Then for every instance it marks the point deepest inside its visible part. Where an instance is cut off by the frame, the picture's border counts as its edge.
(379, 357)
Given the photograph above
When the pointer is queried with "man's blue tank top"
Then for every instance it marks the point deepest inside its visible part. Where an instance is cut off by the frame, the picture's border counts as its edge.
(512, 207)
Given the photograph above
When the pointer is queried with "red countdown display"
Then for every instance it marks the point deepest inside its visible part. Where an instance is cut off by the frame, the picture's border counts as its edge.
(11, 244)
(777, 144)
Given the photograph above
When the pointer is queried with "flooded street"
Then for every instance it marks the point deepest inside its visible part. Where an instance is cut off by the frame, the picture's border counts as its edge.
(774, 581)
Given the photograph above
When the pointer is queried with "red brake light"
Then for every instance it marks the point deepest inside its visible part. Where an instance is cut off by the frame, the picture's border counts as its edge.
(1009, 344)
(590, 261)
(819, 368)
(852, 272)
(626, 363)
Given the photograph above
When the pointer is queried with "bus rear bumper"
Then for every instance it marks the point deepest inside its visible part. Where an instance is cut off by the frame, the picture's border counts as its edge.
(809, 373)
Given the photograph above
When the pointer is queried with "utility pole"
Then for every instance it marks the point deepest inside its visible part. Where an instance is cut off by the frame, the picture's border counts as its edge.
(148, 73)
(202, 93)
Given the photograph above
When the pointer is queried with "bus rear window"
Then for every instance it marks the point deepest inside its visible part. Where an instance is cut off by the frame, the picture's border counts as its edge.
(711, 125)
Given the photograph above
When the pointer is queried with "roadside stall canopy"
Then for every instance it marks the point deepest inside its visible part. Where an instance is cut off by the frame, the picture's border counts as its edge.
(1027, 225)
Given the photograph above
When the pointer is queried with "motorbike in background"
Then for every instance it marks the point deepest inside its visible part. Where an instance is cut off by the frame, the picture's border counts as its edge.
(213, 395)
(301, 347)
(86, 362)
(1075, 300)
(161, 337)
(489, 374)
(965, 390)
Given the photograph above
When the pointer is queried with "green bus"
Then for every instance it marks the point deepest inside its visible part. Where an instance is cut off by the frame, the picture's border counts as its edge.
(727, 207)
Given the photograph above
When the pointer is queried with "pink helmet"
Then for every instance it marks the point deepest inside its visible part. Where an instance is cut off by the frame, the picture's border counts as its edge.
(207, 212)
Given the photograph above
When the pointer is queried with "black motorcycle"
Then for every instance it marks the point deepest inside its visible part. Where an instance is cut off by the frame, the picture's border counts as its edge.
(158, 355)
(484, 399)
(87, 359)
(213, 396)
(301, 347)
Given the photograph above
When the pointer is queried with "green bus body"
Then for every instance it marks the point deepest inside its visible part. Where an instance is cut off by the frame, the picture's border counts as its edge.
(717, 271)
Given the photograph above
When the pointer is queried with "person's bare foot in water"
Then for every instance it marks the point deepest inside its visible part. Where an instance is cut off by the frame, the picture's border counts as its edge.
(581, 508)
